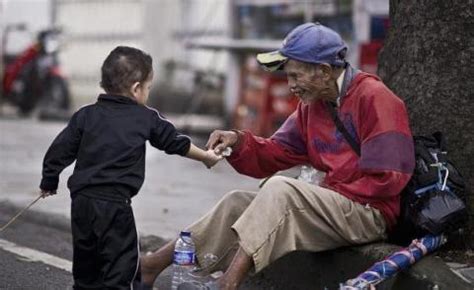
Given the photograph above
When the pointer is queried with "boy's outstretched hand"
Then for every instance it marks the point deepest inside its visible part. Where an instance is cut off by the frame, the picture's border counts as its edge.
(211, 158)
(46, 193)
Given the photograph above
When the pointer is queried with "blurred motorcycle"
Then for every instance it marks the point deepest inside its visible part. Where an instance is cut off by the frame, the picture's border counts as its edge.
(33, 78)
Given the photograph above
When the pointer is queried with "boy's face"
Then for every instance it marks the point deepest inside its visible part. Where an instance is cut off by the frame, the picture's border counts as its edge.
(141, 91)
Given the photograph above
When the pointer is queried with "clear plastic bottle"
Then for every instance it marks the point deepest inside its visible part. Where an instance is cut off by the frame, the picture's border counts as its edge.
(311, 175)
(307, 174)
(209, 260)
(184, 260)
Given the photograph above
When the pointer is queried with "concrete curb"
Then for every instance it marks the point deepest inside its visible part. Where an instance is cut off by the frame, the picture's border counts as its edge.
(430, 272)
(326, 270)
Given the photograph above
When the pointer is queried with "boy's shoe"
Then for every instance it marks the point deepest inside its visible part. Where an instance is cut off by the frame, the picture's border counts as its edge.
(198, 286)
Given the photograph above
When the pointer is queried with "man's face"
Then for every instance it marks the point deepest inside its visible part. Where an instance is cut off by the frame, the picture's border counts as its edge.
(306, 81)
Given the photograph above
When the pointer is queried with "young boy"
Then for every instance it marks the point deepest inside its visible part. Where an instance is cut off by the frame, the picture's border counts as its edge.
(107, 140)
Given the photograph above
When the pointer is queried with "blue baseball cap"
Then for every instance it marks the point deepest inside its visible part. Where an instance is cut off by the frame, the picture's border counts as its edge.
(309, 42)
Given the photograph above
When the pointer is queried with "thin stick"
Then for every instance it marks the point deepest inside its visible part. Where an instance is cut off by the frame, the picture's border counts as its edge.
(20, 213)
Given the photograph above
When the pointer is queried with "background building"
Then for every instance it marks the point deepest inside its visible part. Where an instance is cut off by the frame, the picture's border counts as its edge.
(203, 50)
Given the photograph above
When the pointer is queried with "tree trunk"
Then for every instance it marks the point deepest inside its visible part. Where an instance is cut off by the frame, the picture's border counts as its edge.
(428, 61)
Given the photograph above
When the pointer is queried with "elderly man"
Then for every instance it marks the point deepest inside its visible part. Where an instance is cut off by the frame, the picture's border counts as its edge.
(367, 158)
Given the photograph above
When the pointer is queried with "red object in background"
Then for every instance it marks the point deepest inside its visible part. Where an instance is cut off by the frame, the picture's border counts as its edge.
(265, 101)
(368, 56)
(13, 69)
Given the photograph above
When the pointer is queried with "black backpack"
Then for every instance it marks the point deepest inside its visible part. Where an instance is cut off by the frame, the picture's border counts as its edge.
(434, 200)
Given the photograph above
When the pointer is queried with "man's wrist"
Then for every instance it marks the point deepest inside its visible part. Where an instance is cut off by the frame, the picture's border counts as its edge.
(238, 141)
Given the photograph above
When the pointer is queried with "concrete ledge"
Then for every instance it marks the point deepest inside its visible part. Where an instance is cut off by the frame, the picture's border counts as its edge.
(325, 270)
(305, 270)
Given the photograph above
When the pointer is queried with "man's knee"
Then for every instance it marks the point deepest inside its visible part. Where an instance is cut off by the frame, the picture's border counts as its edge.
(238, 196)
(236, 201)
(277, 181)
(278, 189)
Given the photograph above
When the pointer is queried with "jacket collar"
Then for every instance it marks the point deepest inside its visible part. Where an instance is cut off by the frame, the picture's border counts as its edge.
(116, 99)
(349, 75)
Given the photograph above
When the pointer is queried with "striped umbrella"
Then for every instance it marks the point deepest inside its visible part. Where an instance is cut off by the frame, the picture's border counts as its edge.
(397, 261)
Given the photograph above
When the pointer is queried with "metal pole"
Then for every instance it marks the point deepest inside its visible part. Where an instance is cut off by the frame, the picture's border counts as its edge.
(54, 11)
(2, 51)
(308, 10)
(186, 28)
(233, 80)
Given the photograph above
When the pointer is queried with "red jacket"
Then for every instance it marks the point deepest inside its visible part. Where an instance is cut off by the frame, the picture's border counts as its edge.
(373, 115)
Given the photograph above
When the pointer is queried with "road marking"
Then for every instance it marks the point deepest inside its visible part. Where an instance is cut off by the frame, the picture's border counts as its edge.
(36, 256)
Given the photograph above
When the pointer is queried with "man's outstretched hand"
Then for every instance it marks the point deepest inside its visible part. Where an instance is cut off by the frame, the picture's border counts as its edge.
(219, 140)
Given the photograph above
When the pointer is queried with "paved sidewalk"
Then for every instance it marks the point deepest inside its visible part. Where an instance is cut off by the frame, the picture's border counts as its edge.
(176, 190)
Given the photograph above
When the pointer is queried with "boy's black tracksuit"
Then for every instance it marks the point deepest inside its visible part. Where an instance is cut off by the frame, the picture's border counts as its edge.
(107, 140)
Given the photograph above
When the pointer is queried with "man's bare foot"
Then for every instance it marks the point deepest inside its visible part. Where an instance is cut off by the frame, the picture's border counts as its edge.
(153, 264)
(148, 272)
(224, 283)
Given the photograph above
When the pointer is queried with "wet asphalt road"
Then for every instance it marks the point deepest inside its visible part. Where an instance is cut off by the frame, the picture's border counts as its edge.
(17, 272)
(40, 232)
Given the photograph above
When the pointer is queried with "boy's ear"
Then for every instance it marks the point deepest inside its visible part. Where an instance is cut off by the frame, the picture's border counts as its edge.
(134, 89)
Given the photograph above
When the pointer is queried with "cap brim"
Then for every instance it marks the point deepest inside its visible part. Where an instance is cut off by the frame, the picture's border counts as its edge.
(271, 61)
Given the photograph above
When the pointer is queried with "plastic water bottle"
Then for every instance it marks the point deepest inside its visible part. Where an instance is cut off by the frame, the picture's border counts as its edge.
(311, 175)
(184, 260)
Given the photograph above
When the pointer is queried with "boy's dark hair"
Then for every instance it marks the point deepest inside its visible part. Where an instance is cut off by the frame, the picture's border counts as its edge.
(123, 67)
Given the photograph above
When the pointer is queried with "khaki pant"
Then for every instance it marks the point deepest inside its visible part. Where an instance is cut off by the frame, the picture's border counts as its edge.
(285, 215)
